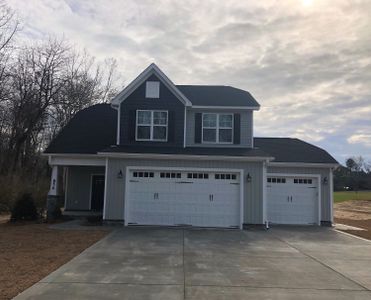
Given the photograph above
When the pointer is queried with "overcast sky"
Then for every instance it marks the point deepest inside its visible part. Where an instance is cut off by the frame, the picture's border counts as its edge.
(307, 62)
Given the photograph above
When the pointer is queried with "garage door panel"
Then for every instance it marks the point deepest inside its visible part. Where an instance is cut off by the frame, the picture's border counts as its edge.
(193, 198)
(292, 199)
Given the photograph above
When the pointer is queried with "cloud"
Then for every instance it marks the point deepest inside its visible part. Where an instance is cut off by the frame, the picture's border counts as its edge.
(309, 66)
(360, 138)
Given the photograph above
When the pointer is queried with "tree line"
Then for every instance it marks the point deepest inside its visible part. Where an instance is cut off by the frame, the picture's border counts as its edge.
(354, 176)
(42, 86)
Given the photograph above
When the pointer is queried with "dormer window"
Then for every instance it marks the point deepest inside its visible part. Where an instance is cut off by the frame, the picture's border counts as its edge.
(151, 125)
(152, 89)
(217, 128)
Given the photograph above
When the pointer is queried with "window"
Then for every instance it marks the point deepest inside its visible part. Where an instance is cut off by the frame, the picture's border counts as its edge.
(222, 176)
(143, 174)
(198, 175)
(302, 181)
(170, 175)
(276, 180)
(152, 89)
(217, 128)
(151, 125)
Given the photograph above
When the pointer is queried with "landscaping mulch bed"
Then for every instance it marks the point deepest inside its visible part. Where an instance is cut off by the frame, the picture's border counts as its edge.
(29, 252)
(355, 213)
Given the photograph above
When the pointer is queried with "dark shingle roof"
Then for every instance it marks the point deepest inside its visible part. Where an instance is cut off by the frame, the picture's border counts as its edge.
(90, 130)
(293, 150)
(93, 130)
(218, 95)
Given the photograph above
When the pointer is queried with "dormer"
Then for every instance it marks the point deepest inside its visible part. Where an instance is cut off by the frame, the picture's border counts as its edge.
(153, 111)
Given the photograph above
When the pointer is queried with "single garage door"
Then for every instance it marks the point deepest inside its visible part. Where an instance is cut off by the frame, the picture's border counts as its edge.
(200, 198)
(292, 199)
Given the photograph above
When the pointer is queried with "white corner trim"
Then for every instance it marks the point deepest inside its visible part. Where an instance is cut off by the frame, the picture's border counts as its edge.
(264, 187)
(105, 189)
(331, 187)
(151, 69)
(118, 124)
(319, 182)
(185, 127)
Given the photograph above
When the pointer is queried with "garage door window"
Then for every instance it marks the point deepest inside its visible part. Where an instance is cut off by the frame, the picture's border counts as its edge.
(276, 180)
(227, 176)
(302, 181)
(170, 175)
(143, 174)
(198, 175)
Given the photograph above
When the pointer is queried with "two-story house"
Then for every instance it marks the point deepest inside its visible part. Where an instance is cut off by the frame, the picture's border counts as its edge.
(166, 154)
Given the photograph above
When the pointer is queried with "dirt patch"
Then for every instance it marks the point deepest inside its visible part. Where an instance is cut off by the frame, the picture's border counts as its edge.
(355, 213)
(29, 252)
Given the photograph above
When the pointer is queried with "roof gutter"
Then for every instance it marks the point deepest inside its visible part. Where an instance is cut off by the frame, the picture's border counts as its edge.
(302, 165)
(184, 156)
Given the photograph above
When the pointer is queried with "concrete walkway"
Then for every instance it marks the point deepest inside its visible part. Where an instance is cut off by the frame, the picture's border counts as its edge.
(158, 263)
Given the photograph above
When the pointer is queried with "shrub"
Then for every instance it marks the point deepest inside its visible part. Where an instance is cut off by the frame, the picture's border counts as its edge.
(24, 208)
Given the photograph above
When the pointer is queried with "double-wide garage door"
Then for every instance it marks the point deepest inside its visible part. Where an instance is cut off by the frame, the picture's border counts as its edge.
(200, 198)
(292, 199)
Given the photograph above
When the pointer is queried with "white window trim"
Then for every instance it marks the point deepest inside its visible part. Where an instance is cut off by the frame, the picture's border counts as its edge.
(217, 128)
(153, 89)
(152, 125)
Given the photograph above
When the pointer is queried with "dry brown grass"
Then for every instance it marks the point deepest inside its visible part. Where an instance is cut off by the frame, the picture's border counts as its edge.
(355, 213)
(29, 252)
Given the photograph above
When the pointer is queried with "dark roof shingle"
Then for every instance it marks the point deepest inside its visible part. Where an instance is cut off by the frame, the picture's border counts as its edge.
(217, 95)
(93, 130)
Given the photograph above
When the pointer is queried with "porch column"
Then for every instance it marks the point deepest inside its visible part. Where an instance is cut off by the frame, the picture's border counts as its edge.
(53, 195)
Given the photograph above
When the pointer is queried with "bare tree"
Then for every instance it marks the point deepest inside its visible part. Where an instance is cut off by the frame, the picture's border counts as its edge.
(9, 25)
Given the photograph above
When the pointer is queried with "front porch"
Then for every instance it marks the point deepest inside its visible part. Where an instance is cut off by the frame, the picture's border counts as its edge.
(78, 189)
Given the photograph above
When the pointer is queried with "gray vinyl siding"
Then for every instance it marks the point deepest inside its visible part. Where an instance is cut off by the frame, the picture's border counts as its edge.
(78, 187)
(325, 188)
(246, 127)
(137, 101)
(253, 191)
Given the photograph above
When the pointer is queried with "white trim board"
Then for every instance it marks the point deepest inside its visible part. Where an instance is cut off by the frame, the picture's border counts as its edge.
(319, 182)
(127, 184)
(301, 165)
(184, 156)
(226, 107)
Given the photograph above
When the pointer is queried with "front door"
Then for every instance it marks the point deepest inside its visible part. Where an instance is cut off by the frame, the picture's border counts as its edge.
(97, 192)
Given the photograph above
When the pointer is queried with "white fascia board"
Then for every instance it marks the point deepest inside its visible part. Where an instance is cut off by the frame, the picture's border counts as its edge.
(226, 107)
(76, 160)
(301, 165)
(151, 69)
(184, 157)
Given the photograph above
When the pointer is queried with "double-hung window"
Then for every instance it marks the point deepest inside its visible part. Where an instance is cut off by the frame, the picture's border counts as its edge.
(217, 128)
(151, 125)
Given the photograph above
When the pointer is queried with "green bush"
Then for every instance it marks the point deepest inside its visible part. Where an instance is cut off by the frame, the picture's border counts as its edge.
(24, 208)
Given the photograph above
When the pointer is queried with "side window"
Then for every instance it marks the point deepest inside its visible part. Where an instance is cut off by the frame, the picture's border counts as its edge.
(152, 89)
(217, 128)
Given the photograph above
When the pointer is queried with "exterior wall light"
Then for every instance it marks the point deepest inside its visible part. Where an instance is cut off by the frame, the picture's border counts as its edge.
(119, 174)
(325, 180)
(248, 177)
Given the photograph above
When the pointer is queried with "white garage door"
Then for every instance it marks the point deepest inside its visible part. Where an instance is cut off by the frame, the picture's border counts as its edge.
(208, 199)
(292, 200)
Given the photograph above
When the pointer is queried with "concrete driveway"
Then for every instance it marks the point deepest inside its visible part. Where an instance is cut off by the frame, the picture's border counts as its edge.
(157, 263)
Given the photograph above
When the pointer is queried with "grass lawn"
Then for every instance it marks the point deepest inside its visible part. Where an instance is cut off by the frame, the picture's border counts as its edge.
(351, 195)
(29, 252)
